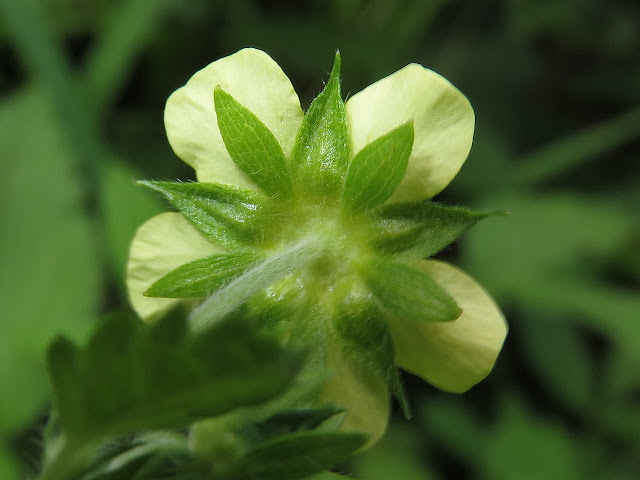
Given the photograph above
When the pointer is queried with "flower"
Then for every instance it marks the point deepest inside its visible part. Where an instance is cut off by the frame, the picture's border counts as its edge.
(352, 179)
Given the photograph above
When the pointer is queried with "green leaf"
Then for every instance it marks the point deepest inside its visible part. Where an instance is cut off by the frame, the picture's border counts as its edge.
(201, 277)
(153, 455)
(252, 146)
(297, 455)
(409, 293)
(321, 151)
(423, 229)
(366, 341)
(560, 358)
(224, 214)
(133, 377)
(286, 422)
(49, 273)
(124, 208)
(377, 170)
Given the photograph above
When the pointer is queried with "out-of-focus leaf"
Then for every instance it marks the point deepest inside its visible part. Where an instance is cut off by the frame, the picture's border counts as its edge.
(8, 469)
(285, 422)
(454, 426)
(560, 358)
(545, 258)
(528, 448)
(125, 206)
(133, 377)
(397, 456)
(48, 269)
(297, 455)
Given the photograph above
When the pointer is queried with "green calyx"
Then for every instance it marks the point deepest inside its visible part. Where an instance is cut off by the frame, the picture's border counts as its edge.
(314, 252)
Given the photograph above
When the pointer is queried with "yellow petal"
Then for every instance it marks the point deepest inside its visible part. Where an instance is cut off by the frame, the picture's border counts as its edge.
(443, 126)
(160, 245)
(452, 356)
(258, 83)
(362, 395)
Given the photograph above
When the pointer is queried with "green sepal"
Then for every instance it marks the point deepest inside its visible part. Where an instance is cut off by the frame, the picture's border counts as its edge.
(286, 422)
(153, 455)
(252, 146)
(225, 215)
(263, 274)
(365, 340)
(321, 151)
(408, 292)
(201, 277)
(133, 377)
(422, 229)
(297, 455)
(377, 170)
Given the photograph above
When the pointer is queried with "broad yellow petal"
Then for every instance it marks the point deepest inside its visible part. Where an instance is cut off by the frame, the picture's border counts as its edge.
(259, 84)
(160, 245)
(452, 356)
(443, 126)
(362, 395)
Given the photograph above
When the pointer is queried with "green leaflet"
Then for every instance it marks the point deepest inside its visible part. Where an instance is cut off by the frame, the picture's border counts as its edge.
(422, 229)
(321, 152)
(252, 146)
(297, 455)
(377, 170)
(409, 293)
(224, 214)
(365, 340)
(132, 377)
(201, 277)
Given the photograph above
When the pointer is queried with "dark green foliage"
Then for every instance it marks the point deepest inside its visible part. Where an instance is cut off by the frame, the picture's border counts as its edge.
(252, 146)
(297, 455)
(377, 170)
(201, 277)
(408, 292)
(132, 377)
(554, 87)
(321, 151)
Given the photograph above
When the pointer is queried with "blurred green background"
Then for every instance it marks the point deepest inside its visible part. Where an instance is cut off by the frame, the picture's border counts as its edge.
(556, 89)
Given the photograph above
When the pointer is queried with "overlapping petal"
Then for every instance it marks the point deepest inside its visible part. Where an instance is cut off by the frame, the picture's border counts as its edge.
(452, 356)
(160, 245)
(443, 125)
(363, 396)
(259, 84)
